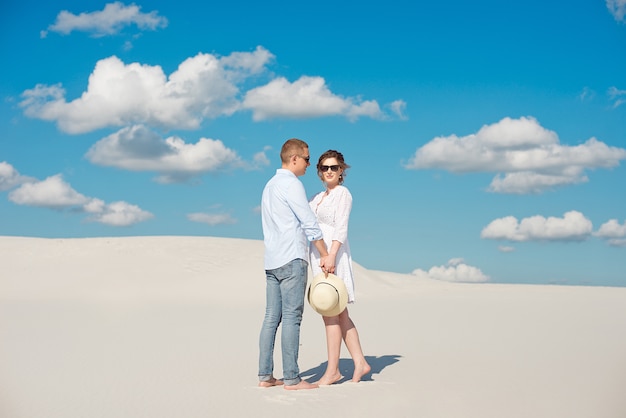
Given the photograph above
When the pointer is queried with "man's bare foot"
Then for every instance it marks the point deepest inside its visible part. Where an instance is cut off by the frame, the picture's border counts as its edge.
(360, 371)
(269, 383)
(302, 385)
(329, 379)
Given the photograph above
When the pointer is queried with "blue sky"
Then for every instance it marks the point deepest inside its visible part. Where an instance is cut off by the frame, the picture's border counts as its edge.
(487, 140)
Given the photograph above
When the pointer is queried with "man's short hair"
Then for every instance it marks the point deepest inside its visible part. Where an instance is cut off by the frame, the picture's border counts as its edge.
(291, 147)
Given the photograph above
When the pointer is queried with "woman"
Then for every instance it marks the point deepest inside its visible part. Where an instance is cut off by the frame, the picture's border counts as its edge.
(332, 208)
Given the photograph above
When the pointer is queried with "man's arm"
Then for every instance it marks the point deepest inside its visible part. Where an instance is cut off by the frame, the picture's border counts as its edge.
(324, 259)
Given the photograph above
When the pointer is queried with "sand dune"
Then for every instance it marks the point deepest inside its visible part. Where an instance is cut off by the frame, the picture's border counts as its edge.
(168, 327)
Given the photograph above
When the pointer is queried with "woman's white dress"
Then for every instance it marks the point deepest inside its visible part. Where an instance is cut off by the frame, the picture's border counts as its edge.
(333, 213)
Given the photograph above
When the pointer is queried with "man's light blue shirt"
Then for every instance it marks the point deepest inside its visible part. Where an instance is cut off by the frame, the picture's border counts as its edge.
(289, 224)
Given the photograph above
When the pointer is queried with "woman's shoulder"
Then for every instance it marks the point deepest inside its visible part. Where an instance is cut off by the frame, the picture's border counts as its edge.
(343, 190)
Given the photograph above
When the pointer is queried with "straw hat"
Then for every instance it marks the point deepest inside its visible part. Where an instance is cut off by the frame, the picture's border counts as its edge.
(328, 295)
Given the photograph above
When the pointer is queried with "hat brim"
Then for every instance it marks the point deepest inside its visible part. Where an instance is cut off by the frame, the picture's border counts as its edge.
(338, 285)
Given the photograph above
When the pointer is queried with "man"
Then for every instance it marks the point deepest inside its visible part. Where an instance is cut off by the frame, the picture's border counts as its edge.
(289, 225)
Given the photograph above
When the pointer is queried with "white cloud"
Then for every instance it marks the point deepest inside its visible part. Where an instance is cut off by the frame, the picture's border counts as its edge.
(613, 232)
(139, 149)
(117, 214)
(506, 249)
(203, 87)
(212, 219)
(398, 107)
(260, 158)
(586, 95)
(526, 157)
(573, 226)
(55, 193)
(617, 9)
(52, 193)
(118, 94)
(108, 21)
(532, 182)
(617, 96)
(455, 261)
(455, 271)
(307, 97)
(10, 177)
(612, 229)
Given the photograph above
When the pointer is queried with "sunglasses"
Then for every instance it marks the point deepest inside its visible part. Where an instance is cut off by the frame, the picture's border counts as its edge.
(325, 168)
(306, 159)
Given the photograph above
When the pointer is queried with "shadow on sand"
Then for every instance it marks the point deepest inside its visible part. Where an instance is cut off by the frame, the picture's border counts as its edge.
(346, 368)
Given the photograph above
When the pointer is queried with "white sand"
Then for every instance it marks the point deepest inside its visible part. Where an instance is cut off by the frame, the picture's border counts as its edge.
(168, 327)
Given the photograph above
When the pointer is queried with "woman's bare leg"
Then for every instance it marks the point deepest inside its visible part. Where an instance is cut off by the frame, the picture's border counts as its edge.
(350, 336)
(333, 347)
(338, 328)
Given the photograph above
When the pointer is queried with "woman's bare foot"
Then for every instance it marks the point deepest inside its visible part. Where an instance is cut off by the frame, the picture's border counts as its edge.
(329, 379)
(302, 385)
(360, 371)
(269, 383)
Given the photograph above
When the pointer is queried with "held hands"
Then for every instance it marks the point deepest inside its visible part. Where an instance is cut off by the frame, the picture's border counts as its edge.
(327, 257)
(327, 263)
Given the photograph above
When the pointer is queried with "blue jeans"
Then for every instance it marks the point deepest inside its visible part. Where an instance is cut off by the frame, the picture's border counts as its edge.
(285, 290)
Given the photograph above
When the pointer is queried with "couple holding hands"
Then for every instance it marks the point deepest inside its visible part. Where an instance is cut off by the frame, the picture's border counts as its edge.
(297, 231)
